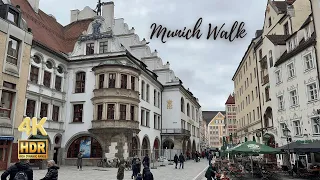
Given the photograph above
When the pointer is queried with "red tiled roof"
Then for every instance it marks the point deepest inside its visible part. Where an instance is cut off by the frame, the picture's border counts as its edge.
(48, 32)
(230, 100)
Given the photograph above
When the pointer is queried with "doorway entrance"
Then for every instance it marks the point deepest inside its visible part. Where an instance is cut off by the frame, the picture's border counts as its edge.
(55, 155)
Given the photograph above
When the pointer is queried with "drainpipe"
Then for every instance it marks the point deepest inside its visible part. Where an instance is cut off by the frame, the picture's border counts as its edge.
(315, 46)
(257, 75)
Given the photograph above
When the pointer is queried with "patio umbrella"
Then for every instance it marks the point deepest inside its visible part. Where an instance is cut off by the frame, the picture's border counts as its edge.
(308, 148)
(291, 147)
(252, 147)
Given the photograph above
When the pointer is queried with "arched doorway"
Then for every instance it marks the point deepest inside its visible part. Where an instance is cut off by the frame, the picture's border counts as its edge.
(193, 148)
(57, 155)
(270, 141)
(268, 120)
(135, 146)
(156, 149)
(37, 162)
(90, 146)
(184, 146)
(145, 146)
(189, 149)
(168, 144)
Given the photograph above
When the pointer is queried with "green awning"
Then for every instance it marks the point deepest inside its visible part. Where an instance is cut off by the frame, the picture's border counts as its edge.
(251, 147)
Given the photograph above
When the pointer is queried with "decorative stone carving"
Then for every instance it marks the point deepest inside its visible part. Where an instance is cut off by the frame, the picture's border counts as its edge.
(169, 104)
(310, 80)
(95, 33)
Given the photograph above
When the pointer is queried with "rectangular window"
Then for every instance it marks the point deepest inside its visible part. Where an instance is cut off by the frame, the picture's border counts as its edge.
(294, 98)
(280, 103)
(101, 81)
(254, 72)
(13, 51)
(77, 112)
(159, 99)
(142, 121)
(312, 92)
(148, 119)
(89, 48)
(155, 122)
(316, 125)
(254, 115)
(159, 122)
(147, 93)
(124, 80)
(31, 105)
(270, 59)
(55, 113)
(291, 70)
(133, 83)
(99, 112)
(154, 97)
(123, 112)
(258, 112)
(297, 128)
(43, 110)
(270, 23)
(142, 89)
(110, 111)
(47, 79)
(34, 74)
(112, 80)
(283, 127)
(260, 54)
(308, 61)
(252, 95)
(286, 28)
(58, 83)
(80, 82)
(278, 77)
(13, 16)
(132, 113)
(103, 47)
(6, 104)
(256, 92)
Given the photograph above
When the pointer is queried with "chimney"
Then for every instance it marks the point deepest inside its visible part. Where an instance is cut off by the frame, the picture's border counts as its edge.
(108, 14)
(74, 15)
(34, 4)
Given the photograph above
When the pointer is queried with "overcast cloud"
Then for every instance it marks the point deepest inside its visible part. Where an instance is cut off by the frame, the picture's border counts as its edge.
(204, 66)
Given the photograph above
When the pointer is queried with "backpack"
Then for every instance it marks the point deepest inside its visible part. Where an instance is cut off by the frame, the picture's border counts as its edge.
(21, 175)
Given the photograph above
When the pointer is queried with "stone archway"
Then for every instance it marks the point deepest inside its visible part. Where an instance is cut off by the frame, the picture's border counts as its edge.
(194, 149)
(189, 148)
(145, 146)
(37, 162)
(168, 144)
(156, 148)
(135, 146)
(184, 147)
(269, 140)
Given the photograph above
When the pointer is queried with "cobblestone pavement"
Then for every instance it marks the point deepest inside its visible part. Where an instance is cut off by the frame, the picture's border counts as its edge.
(168, 172)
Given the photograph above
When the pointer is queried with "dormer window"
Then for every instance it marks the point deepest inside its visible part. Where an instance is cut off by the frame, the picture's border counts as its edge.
(308, 34)
(286, 28)
(13, 16)
(90, 48)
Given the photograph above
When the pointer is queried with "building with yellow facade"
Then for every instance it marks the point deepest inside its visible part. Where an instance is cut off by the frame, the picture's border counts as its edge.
(216, 127)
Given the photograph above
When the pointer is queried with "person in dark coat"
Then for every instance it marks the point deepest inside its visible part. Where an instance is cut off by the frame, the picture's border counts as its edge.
(79, 161)
(176, 160)
(210, 158)
(181, 159)
(146, 160)
(120, 174)
(139, 176)
(147, 175)
(52, 173)
(22, 166)
(210, 173)
(134, 167)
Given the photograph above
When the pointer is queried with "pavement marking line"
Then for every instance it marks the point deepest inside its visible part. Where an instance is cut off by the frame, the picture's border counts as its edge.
(200, 173)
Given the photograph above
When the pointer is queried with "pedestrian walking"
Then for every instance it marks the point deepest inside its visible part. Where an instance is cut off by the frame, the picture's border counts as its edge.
(20, 170)
(52, 173)
(181, 159)
(79, 161)
(147, 175)
(134, 167)
(210, 158)
(139, 176)
(176, 160)
(120, 174)
(146, 160)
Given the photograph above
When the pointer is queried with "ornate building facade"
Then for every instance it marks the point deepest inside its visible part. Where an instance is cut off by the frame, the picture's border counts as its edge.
(103, 90)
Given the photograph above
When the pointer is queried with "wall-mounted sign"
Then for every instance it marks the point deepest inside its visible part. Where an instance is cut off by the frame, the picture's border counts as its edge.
(169, 104)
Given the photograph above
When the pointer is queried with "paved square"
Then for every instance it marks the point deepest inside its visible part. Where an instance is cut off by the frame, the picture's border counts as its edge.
(168, 172)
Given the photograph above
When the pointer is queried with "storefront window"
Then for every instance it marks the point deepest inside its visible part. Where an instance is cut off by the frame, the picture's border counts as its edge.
(91, 148)
(317, 157)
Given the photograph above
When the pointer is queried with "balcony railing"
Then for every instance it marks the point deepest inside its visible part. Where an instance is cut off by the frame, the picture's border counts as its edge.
(176, 131)
(115, 124)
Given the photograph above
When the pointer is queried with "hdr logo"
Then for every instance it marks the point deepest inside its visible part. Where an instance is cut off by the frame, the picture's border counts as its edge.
(35, 148)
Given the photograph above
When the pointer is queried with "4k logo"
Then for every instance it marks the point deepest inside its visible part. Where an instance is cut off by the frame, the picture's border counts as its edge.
(35, 148)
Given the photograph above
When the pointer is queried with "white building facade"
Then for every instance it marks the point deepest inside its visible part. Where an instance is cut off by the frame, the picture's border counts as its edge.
(296, 88)
(104, 91)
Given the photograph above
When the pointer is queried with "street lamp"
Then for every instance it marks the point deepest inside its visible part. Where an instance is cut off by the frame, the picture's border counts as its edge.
(286, 133)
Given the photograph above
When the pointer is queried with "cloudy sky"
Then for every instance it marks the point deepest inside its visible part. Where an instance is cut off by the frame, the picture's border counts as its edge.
(204, 66)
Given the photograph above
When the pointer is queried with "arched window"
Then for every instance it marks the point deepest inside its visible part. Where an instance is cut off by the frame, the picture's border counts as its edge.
(80, 82)
(182, 105)
(37, 59)
(188, 110)
(90, 146)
